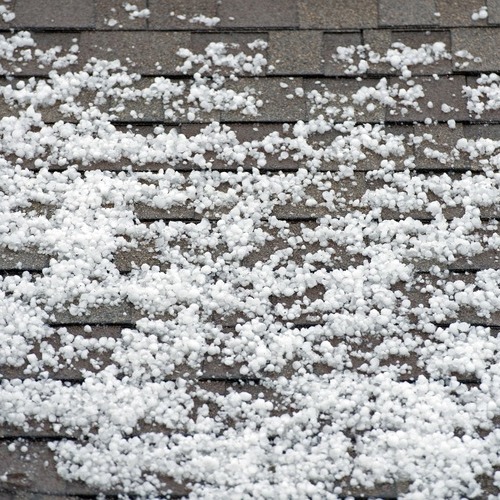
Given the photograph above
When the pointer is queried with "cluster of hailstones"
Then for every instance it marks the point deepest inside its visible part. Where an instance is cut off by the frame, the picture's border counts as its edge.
(320, 293)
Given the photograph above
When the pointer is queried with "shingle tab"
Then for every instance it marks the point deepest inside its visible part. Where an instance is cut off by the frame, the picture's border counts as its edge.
(149, 53)
(480, 42)
(236, 43)
(28, 258)
(338, 14)
(438, 138)
(459, 12)
(331, 41)
(416, 39)
(40, 475)
(381, 40)
(337, 94)
(44, 42)
(123, 313)
(407, 13)
(180, 14)
(55, 14)
(443, 94)
(296, 52)
(477, 130)
(258, 13)
(112, 15)
(280, 103)
(493, 11)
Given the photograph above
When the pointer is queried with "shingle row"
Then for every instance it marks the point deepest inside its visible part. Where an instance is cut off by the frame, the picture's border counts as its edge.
(303, 14)
(302, 52)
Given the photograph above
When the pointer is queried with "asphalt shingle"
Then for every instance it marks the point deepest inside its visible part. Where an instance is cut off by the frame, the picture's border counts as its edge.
(438, 138)
(338, 14)
(480, 42)
(407, 13)
(442, 100)
(459, 12)
(417, 39)
(336, 99)
(180, 14)
(111, 15)
(55, 14)
(280, 103)
(258, 13)
(296, 52)
(39, 65)
(331, 41)
(236, 43)
(493, 11)
(148, 53)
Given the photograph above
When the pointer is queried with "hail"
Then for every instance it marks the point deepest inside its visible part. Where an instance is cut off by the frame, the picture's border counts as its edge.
(325, 288)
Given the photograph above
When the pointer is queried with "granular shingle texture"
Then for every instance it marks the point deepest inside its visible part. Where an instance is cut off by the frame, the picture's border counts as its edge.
(296, 52)
(144, 52)
(482, 41)
(258, 14)
(408, 13)
(337, 14)
(55, 14)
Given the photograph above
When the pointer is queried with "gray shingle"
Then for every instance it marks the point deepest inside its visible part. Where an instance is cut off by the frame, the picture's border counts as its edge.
(38, 474)
(477, 130)
(296, 52)
(459, 12)
(338, 14)
(444, 93)
(28, 258)
(381, 40)
(136, 110)
(236, 43)
(258, 14)
(126, 260)
(407, 13)
(54, 14)
(111, 15)
(415, 39)
(487, 114)
(178, 14)
(249, 133)
(440, 138)
(123, 313)
(493, 11)
(146, 212)
(44, 42)
(277, 106)
(337, 93)
(331, 41)
(149, 53)
(482, 42)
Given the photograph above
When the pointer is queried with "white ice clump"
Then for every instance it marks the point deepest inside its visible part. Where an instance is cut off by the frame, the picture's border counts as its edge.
(205, 20)
(484, 96)
(482, 13)
(6, 14)
(399, 57)
(134, 12)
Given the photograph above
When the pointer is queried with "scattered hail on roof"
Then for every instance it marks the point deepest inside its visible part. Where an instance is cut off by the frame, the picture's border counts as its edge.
(320, 282)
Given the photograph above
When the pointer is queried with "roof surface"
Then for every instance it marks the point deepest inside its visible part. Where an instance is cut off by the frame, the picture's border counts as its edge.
(249, 249)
